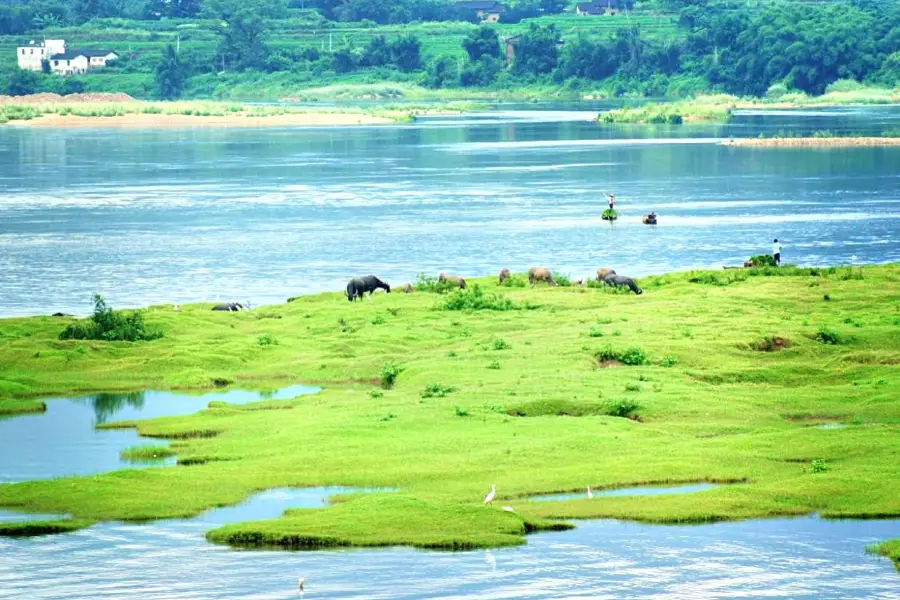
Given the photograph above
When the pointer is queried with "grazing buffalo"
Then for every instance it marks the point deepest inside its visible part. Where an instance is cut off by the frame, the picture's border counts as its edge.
(454, 279)
(360, 285)
(620, 280)
(408, 288)
(540, 274)
(504, 275)
(229, 307)
(603, 272)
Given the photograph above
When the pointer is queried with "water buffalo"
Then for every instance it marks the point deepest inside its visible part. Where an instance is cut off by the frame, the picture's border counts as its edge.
(603, 272)
(360, 285)
(540, 274)
(620, 280)
(454, 279)
(229, 307)
(504, 275)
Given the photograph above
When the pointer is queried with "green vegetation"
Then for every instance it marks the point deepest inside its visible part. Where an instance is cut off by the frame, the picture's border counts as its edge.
(709, 407)
(111, 326)
(890, 549)
(146, 453)
(285, 49)
(36, 528)
(16, 406)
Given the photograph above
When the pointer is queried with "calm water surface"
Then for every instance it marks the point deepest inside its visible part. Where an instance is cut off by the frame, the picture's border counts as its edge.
(63, 440)
(159, 216)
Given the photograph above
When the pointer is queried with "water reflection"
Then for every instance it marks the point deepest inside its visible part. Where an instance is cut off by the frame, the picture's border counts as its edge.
(107, 404)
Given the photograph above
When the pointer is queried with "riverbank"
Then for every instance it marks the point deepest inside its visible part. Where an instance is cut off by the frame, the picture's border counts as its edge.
(815, 142)
(535, 390)
(117, 110)
(719, 108)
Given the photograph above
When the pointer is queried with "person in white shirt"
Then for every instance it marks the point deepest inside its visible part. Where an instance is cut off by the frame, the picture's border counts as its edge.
(776, 252)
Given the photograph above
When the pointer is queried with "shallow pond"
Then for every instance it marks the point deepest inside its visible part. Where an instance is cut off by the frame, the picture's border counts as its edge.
(64, 440)
(648, 490)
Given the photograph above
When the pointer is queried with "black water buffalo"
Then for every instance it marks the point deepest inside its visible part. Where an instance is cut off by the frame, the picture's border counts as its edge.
(229, 307)
(360, 285)
(621, 280)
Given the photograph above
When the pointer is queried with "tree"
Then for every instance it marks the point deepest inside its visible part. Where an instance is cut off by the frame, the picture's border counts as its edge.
(405, 53)
(377, 52)
(23, 82)
(170, 75)
(537, 50)
(482, 42)
(441, 73)
(481, 73)
(242, 29)
(343, 61)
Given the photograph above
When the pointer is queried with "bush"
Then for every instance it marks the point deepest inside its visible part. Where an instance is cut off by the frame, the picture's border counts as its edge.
(436, 390)
(595, 332)
(632, 387)
(474, 298)
(109, 325)
(433, 284)
(631, 356)
(494, 364)
(818, 466)
(389, 374)
(762, 260)
(500, 344)
(267, 340)
(621, 407)
(461, 412)
(518, 281)
(827, 336)
(669, 361)
(562, 279)
(374, 394)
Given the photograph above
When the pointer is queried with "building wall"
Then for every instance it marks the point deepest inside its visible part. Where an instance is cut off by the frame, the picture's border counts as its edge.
(30, 57)
(79, 64)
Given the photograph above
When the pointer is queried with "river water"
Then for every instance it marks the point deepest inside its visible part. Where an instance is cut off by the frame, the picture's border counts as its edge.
(178, 216)
(155, 216)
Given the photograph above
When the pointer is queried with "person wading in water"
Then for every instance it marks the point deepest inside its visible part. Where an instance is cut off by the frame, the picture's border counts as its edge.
(612, 201)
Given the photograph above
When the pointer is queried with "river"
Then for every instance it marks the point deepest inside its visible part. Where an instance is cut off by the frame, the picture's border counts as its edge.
(158, 216)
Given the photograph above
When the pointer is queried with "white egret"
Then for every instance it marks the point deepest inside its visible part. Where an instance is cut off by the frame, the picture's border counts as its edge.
(490, 497)
(590, 493)
(509, 509)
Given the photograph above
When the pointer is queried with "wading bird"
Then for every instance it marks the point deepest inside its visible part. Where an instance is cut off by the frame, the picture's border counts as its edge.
(490, 497)
(590, 493)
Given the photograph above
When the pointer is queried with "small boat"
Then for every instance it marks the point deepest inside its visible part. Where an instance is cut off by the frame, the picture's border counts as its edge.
(649, 219)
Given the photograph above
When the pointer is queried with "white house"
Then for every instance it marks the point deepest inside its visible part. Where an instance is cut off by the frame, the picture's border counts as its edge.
(61, 60)
(30, 56)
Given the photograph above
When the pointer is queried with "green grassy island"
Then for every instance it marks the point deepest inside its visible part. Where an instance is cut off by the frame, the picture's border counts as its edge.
(779, 383)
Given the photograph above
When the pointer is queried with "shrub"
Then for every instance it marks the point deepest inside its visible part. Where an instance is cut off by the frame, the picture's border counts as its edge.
(109, 325)
(267, 340)
(632, 387)
(669, 361)
(517, 280)
(436, 390)
(633, 356)
(827, 336)
(389, 374)
(621, 407)
(433, 284)
(595, 332)
(461, 412)
(500, 344)
(474, 298)
(378, 320)
(818, 466)
(494, 364)
(374, 394)
(562, 279)
(762, 260)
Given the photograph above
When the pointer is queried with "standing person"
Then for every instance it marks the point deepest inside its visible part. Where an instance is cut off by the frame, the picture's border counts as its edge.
(776, 252)
(612, 201)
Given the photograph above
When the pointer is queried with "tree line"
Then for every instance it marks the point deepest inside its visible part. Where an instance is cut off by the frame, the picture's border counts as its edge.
(725, 46)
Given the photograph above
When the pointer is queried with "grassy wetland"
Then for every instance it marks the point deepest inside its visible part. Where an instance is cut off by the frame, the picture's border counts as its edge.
(781, 384)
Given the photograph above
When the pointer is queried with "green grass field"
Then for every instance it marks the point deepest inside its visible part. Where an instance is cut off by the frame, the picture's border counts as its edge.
(720, 376)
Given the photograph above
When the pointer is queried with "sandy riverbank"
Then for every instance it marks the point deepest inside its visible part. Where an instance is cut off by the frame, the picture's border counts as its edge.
(823, 142)
(143, 120)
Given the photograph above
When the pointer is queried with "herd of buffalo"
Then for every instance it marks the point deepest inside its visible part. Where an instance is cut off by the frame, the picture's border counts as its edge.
(358, 286)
